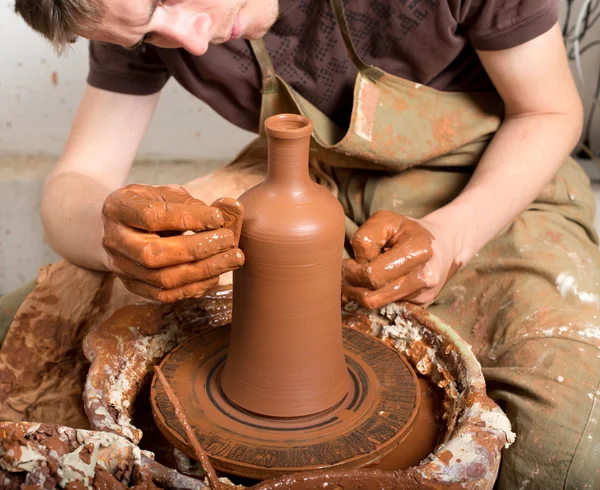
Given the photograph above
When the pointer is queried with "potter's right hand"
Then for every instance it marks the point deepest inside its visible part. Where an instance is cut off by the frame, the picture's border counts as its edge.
(144, 237)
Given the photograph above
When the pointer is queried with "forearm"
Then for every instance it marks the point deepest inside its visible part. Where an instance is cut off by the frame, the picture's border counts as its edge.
(72, 218)
(522, 158)
(101, 147)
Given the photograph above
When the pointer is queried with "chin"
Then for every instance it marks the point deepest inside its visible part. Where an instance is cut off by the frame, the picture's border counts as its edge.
(264, 22)
(257, 31)
(249, 36)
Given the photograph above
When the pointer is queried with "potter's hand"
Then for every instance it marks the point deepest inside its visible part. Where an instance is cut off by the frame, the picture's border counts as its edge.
(397, 258)
(143, 236)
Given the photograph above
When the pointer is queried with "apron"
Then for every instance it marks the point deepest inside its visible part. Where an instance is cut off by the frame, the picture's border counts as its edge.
(528, 303)
(395, 124)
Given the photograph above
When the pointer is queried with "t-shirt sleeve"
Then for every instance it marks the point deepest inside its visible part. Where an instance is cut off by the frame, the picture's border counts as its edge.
(502, 24)
(137, 71)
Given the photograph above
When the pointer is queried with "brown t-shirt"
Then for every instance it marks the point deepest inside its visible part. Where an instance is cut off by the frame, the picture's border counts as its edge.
(430, 42)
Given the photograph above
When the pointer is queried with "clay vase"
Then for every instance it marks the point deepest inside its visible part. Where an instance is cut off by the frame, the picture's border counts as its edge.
(286, 355)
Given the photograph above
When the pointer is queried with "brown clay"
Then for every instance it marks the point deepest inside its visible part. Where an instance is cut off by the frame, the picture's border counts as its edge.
(286, 357)
(123, 349)
(36, 456)
(143, 228)
(425, 435)
(376, 417)
(359, 479)
(199, 453)
(390, 252)
(454, 268)
(103, 480)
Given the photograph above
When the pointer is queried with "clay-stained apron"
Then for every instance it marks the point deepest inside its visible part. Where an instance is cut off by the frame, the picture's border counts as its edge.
(395, 123)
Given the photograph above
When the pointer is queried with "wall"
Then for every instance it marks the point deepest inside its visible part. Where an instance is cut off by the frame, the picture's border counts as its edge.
(39, 93)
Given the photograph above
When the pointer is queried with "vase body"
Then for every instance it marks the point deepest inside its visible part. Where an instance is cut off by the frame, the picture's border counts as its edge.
(286, 356)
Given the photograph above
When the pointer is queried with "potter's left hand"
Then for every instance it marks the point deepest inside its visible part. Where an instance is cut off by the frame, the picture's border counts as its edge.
(398, 258)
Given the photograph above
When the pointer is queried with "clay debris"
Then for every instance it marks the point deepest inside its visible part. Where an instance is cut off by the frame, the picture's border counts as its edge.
(44, 456)
(124, 349)
(52, 456)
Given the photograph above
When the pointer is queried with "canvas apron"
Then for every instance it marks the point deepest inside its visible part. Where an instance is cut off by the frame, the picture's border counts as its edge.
(528, 302)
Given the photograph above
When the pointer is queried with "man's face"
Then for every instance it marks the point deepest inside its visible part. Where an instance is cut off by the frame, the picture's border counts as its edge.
(188, 24)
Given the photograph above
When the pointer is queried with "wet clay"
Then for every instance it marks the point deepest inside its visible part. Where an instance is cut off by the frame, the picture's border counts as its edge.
(390, 252)
(376, 417)
(42, 367)
(286, 356)
(165, 245)
(199, 453)
(422, 439)
(431, 346)
(425, 435)
(49, 456)
(454, 268)
(123, 349)
(365, 479)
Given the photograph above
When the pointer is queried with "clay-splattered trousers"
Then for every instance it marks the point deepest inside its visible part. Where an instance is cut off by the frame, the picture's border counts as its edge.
(528, 303)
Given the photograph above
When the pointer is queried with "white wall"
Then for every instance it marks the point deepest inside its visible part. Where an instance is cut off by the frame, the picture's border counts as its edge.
(39, 93)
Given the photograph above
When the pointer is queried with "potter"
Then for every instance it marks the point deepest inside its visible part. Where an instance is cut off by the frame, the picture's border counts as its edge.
(456, 118)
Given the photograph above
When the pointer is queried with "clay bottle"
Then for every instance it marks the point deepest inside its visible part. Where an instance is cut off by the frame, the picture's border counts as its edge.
(286, 355)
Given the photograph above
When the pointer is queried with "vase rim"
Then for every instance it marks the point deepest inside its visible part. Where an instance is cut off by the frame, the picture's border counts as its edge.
(288, 126)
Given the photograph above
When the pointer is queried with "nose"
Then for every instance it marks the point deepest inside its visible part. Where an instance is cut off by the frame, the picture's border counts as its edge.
(191, 30)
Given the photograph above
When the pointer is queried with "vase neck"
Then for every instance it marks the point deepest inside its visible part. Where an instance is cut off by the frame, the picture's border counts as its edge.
(288, 137)
(288, 161)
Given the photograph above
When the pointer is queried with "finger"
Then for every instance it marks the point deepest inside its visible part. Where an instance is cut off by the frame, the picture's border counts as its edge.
(176, 193)
(195, 290)
(153, 252)
(233, 215)
(157, 216)
(169, 192)
(402, 288)
(371, 237)
(180, 275)
(154, 214)
(390, 265)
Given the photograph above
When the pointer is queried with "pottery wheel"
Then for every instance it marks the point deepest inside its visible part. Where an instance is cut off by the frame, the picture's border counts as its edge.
(371, 421)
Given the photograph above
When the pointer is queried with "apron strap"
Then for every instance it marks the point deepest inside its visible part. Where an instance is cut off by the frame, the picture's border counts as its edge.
(340, 17)
(269, 81)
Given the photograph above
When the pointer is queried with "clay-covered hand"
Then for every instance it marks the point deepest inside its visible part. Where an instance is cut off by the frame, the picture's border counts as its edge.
(397, 258)
(165, 245)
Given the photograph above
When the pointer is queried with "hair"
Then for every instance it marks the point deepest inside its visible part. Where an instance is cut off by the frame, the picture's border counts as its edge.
(60, 21)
